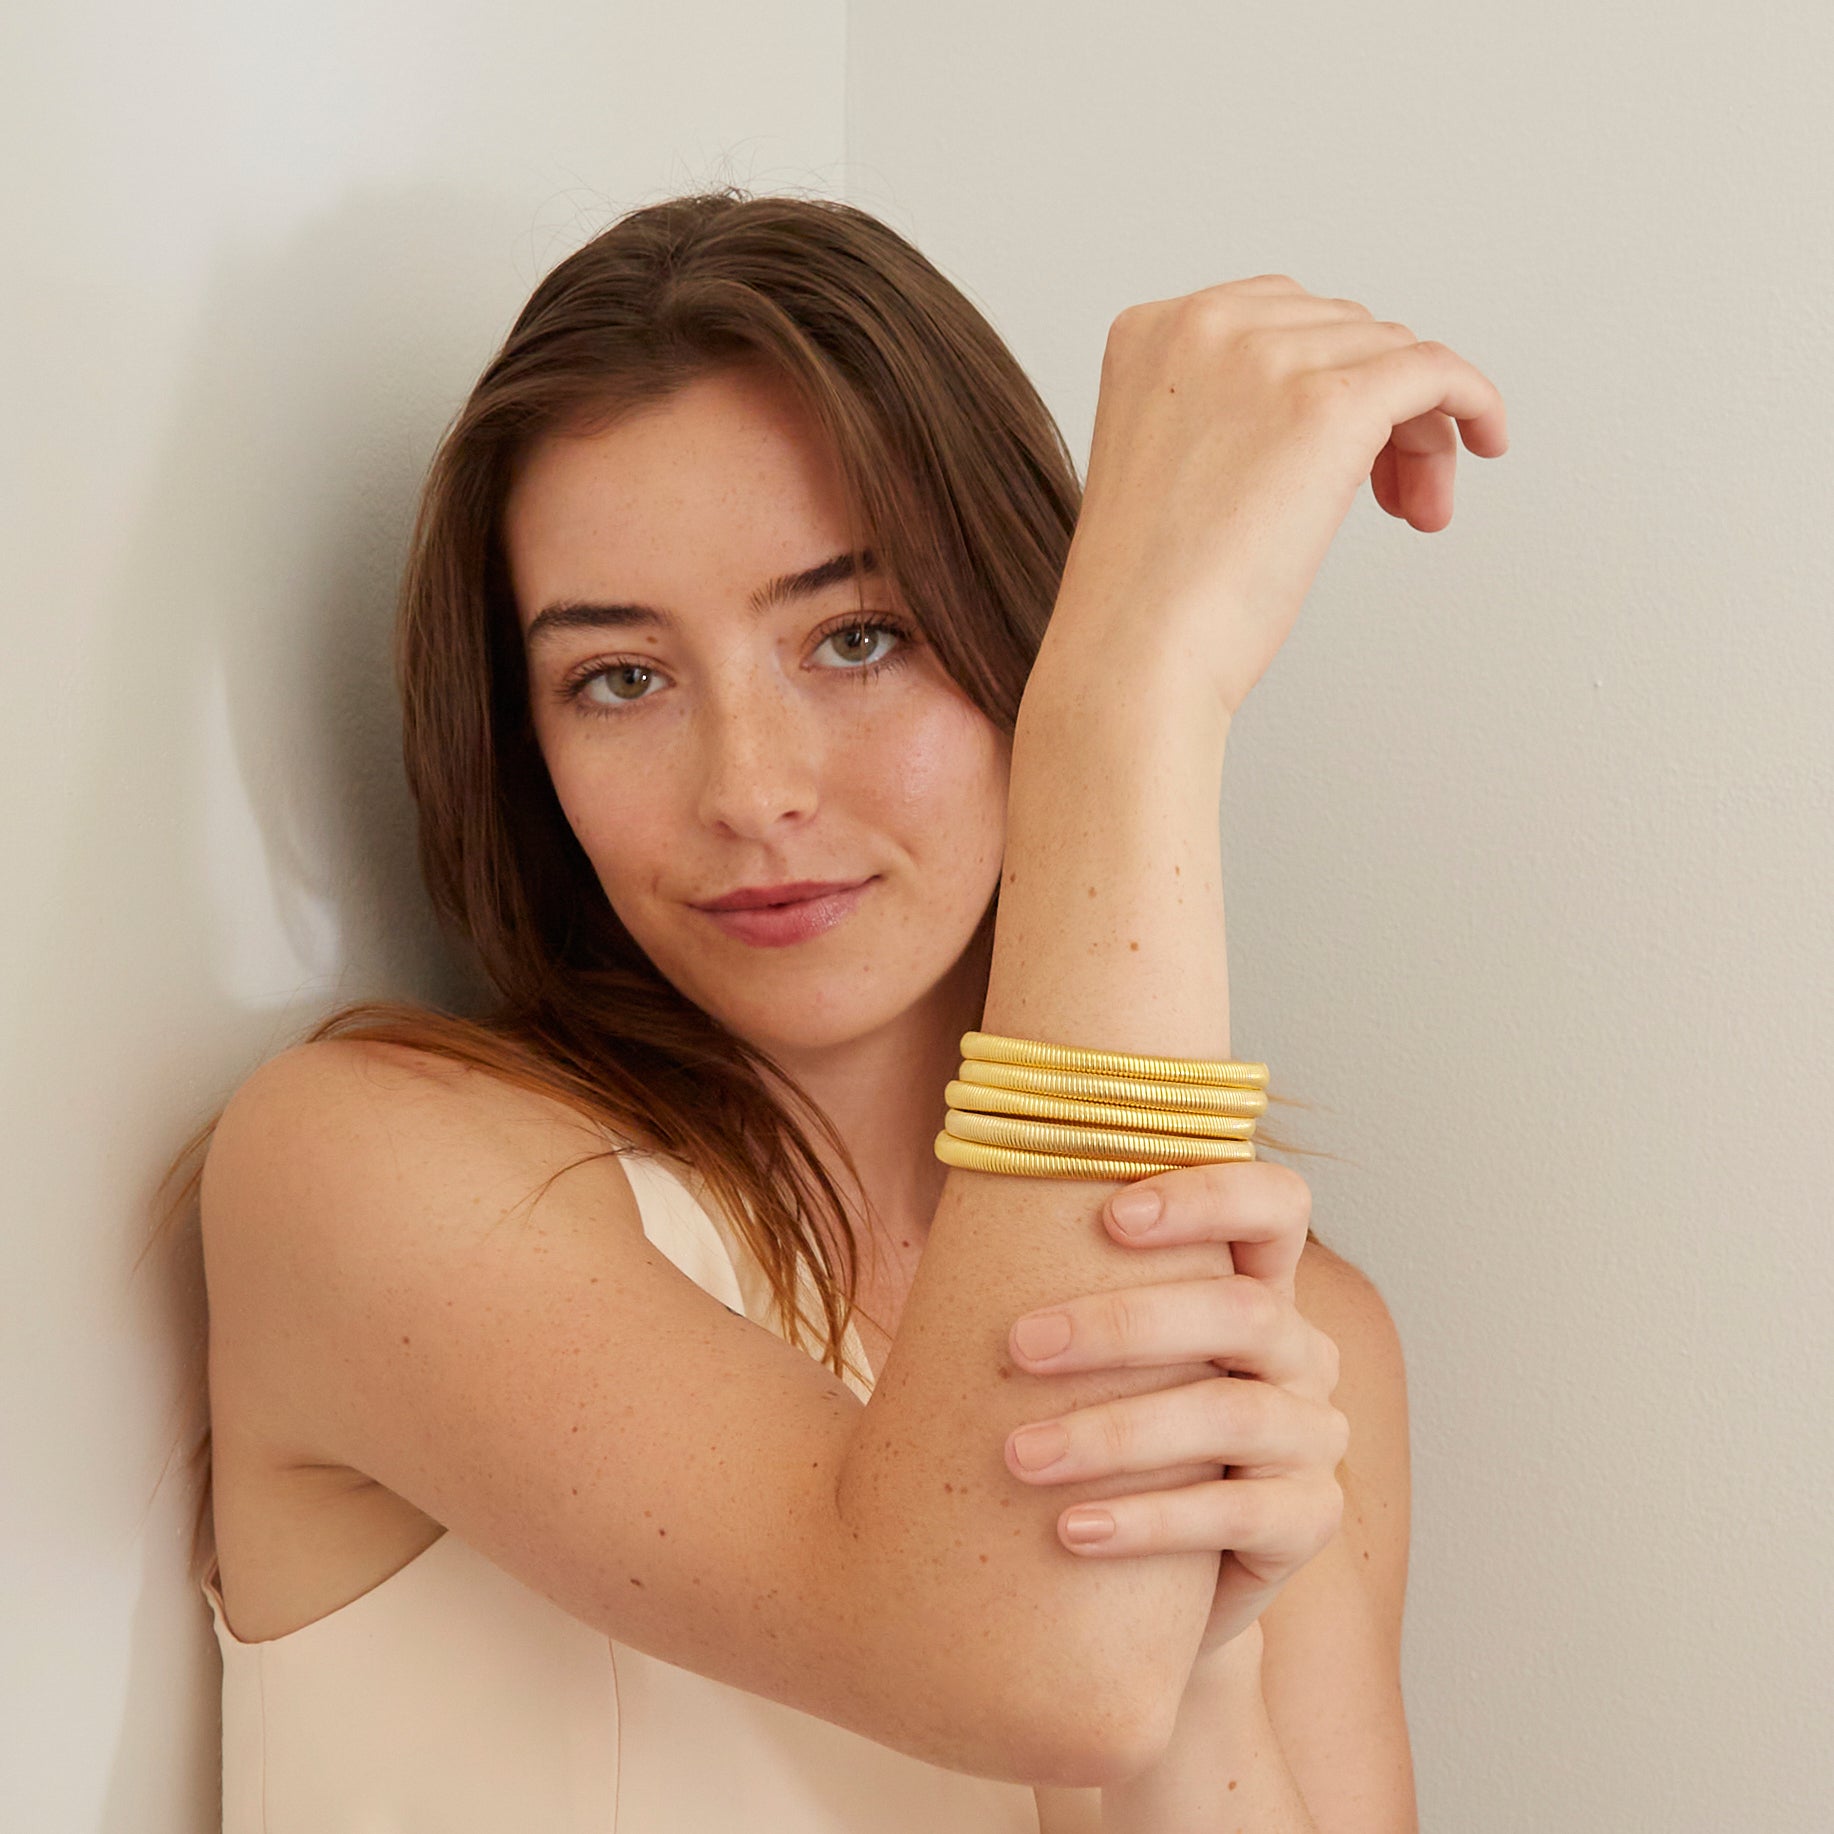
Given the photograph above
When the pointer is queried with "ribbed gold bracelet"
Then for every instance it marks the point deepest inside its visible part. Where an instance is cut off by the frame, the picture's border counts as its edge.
(991, 1047)
(982, 1098)
(1092, 1142)
(1023, 1106)
(976, 1158)
(1183, 1097)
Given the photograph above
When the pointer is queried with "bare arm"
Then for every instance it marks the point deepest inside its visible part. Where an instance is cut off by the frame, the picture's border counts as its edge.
(1224, 1758)
(595, 1422)
(1233, 429)
(1110, 933)
(538, 1378)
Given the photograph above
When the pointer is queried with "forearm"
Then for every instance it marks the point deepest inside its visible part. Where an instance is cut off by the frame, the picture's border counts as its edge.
(1109, 933)
(1224, 1769)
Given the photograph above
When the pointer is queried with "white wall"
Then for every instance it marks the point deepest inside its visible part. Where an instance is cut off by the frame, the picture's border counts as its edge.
(1526, 830)
(254, 257)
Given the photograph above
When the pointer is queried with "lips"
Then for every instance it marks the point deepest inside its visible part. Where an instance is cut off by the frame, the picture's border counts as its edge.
(774, 926)
(761, 897)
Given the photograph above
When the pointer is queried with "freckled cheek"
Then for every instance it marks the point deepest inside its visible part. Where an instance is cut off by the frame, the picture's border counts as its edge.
(623, 826)
(941, 793)
(944, 776)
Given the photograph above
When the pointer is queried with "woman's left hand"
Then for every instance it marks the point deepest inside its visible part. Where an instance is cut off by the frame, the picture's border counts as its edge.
(1266, 1417)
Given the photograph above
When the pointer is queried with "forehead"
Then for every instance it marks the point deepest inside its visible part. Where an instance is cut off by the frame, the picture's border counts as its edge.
(721, 484)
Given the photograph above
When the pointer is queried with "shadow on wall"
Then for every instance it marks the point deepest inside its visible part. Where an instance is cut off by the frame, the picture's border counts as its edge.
(242, 762)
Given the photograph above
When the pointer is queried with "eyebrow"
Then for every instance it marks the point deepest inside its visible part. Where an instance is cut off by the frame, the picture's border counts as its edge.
(580, 614)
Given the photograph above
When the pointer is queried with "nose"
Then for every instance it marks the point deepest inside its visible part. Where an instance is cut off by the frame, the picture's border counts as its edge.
(760, 757)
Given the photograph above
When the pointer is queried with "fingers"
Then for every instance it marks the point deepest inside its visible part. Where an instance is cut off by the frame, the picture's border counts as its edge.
(1413, 380)
(1328, 339)
(1269, 1526)
(1233, 1320)
(1260, 1208)
(1423, 455)
(1420, 395)
(1225, 1421)
(1385, 481)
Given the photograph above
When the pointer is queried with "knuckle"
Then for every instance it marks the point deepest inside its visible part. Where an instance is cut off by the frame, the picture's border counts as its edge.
(1128, 333)
(1115, 1434)
(1146, 1518)
(1119, 1318)
(1125, 324)
(1331, 1510)
(1296, 1191)
(1354, 305)
(1333, 1360)
(1340, 1426)
(1401, 331)
(1212, 1189)
(1208, 321)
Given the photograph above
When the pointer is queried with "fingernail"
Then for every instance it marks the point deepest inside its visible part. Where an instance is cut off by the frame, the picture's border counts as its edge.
(1037, 1446)
(1043, 1334)
(1135, 1211)
(1088, 1525)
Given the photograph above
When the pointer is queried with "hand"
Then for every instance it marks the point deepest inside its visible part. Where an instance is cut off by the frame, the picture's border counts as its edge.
(1267, 1416)
(1233, 429)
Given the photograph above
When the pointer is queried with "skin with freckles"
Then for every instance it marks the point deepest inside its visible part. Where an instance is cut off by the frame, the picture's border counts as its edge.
(717, 745)
(721, 705)
(711, 724)
(731, 747)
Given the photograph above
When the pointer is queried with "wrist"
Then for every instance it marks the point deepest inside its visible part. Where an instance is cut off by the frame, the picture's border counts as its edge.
(1147, 668)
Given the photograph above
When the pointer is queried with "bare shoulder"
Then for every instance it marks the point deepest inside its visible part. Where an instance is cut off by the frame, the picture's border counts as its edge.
(297, 1095)
(1345, 1303)
(320, 1137)
(336, 1109)
(1334, 1280)
(1331, 1654)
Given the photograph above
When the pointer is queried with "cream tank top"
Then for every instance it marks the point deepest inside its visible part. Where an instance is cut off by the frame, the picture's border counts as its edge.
(454, 1699)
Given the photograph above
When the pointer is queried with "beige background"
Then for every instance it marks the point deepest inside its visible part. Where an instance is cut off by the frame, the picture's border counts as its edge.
(1526, 831)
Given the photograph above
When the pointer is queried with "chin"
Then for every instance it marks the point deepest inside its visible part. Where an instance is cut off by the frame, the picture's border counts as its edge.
(802, 1026)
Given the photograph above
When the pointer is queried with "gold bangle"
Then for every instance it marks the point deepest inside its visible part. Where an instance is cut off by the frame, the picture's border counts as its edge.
(991, 1047)
(974, 1157)
(1187, 1098)
(981, 1098)
(1023, 1106)
(1092, 1142)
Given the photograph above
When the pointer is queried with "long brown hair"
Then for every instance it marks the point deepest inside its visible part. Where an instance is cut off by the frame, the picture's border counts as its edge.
(958, 483)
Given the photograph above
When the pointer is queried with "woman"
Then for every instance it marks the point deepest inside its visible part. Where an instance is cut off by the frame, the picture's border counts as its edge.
(770, 733)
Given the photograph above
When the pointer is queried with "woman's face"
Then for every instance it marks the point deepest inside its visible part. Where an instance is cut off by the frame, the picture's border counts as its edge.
(703, 741)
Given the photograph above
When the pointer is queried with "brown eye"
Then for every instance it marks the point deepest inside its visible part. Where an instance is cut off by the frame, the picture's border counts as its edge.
(627, 669)
(851, 636)
(618, 673)
(850, 639)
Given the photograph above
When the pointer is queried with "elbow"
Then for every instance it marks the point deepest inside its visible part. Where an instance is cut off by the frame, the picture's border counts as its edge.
(1104, 1696)
(1097, 1731)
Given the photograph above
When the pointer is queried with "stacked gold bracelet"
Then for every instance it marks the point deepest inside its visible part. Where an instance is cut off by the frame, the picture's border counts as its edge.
(1060, 1111)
